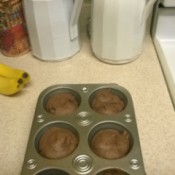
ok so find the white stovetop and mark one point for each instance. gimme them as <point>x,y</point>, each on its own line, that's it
<point>165,45</point>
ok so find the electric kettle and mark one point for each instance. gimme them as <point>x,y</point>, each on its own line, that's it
<point>53,28</point>
<point>118,29</point>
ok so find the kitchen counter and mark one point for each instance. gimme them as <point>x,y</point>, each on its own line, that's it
<point>143,78</point>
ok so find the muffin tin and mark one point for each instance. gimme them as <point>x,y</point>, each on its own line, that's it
<point>84,123</point>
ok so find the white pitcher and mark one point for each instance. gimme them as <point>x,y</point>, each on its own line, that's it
<point>53,27</point>
<point>118,29</point>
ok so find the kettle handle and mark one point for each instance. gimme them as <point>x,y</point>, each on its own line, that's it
<point>74,19</point>
<point>147,10</point>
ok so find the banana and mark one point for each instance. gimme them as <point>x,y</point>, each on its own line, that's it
<point>10,72</point>
<point>10,86</point>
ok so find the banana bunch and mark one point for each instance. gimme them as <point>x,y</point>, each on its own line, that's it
<point>12,80</point>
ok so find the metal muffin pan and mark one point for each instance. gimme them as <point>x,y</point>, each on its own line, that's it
<point>84,122</point>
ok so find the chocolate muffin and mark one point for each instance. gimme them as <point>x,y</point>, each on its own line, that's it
<point>57,143</point>
<point>62,104</point>
<point>110,144</point>
<point>106,102</point>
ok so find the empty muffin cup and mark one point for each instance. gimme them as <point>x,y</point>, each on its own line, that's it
<point>108,101</point>
<point>112,172</point>
<point>110,143</point>
<point>57,143</point>
<point>62,102</point>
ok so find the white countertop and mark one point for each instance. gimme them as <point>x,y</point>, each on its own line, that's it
<point>143,78</point>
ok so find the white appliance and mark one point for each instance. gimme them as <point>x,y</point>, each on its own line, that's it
<point>168,3</point>
<point>164,40</point>
<point>118,29</point>
<point>53,27</point>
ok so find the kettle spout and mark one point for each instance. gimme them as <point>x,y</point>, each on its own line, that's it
<point>147,10</point>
